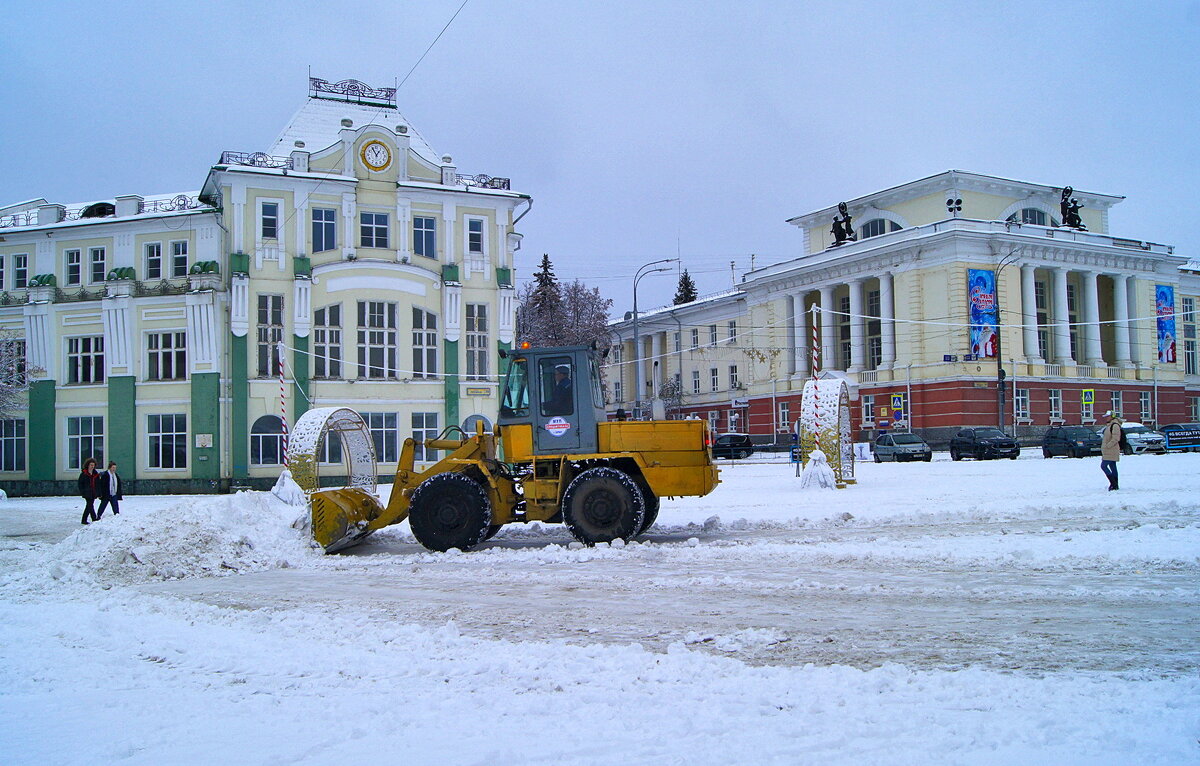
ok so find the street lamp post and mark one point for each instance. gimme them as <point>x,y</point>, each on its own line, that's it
<point>1007,260</point>
<point>637,341</point>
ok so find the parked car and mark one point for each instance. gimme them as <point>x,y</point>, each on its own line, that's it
<point>1184,437</point>
<point>1072,441</point>
<point>983,444</point>
<point>1140,438</point>
<point>733,446</point>
<point>901,447</point>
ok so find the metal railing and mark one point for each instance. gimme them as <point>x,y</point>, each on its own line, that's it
<point>485,181</point>
<point>256,160</point>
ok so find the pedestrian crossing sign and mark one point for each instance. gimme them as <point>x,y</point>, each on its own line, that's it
<point>1089,396</point>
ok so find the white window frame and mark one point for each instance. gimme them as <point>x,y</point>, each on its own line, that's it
<point>383,336</point>
<point>477,342</point>
<point>75,454</point>
<point>868,409</point>
<point>695,381</point>
<point>76,254</point>
<point>327,343</point>
<point>260,438</point>
<point>1117,404</point>
<point>174,355</point>
<point>1194,409</point>
<point>678,341</point>
<point>733,377</point>
<point>714,379</point>
<point>20,270</point>
<point>148,258</point>
<point>273,332</point>
<point>426,235</point>
<point>714,417</point>
<point>424,426</point>
<point>179,249</point>
<point>385,434</point>
<point>469,237</point>
<point>424,343</point>
<point>93,261</point>
<point>712,335</point>
<point>1087,411</point>
<point>1021,403</point>
<point>262,216</point>
<point>785,416</point>
<point>695,337</point>
<point>170,442</point>
<point>328,229</point>
<point>1,272</point>
<point>1055,403</point>
<point>375,226</point>
<point>733,332</point>
<point>14,457</point>
<point>1145,407</point>
<point>76,355</point>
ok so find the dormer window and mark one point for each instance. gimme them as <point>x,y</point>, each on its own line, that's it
<point>877,226</point>
<point>99,210</point>
<point>1032,215</point>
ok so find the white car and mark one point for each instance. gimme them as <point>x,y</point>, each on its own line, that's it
<point>1142,439</point>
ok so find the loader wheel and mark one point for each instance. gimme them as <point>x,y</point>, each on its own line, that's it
<point>450,510</point>
<point>492,530</point>
<point>650,504</point>
<point>602,504</point>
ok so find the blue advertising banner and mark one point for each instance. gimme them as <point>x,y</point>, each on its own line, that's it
<point>1164,309</point>
<point>984,313</point>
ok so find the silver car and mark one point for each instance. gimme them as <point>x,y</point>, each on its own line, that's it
<point>1142,439</point>
<point>899,447</point>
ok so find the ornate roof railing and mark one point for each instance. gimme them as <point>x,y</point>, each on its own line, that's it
<point>350,90</point>
<point>103,209</point>
<point>485,181</point>
<point>255,160</point>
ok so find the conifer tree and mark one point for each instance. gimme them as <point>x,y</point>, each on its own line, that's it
<point>686,292</point>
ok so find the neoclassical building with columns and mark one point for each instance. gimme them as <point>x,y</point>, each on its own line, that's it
<point>950,279</point>
<point>153,326</point>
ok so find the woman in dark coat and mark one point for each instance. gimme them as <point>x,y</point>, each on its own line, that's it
<point>89,489</point>
<point>110,490</point>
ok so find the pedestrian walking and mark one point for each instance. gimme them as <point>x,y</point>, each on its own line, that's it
<point>1110,449</point>
<point>110,490</point>
<point>89,489</point>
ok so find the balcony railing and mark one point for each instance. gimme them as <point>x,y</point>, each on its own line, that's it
<point>256,160</point>
<point>484,181</point>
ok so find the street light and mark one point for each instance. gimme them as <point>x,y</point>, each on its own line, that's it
<point>1012,257</point>
<point>637,341</point>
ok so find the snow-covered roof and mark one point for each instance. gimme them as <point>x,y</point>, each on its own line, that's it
<point>319,120</point>
<point>704,299</point>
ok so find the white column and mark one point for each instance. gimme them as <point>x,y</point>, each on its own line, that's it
<point>1062,333</point>
<point>858,347</point>
<point>1136,353</point>
<point>1121,315</point>
<point>1029,334</point>
<point>1091,300</point>
<point>887,324</point>
<point>828,325</point>
<point>657,363</point>
<point>801,333</point>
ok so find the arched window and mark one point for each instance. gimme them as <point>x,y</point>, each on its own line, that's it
<point>1032,215</point>
<point>99,210</point>
<point>877,226</point>
<point>266,441</point>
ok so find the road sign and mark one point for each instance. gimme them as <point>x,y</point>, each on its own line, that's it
<point>883,424</point>
<point>882,412</point>
<point>795,454</point>
<point>898,402</point>
<point>1088,396</point>
<point>950,358</point>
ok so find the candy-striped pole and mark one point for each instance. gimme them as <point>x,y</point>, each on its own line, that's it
<point>283,405</point>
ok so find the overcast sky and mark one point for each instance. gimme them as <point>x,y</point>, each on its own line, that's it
<point>641,129</point>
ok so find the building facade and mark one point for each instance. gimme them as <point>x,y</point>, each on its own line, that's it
<point>348,264</point>
<point>950,280</point>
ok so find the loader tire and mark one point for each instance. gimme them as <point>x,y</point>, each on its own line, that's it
<point>450,510</point>
<point>650,506</point>
<point>603,504</point>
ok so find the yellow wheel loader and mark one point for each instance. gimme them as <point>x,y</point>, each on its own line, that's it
<point>553,457</point>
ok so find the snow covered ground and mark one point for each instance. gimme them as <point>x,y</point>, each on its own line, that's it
<point>975,613</point>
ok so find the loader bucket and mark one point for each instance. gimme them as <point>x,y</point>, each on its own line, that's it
<point>342,517</point>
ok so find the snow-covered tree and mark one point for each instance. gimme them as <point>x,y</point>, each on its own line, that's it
<point>686,291</point>
<point>555,314</point>
<point>14,378</point>
<point>671,394</point>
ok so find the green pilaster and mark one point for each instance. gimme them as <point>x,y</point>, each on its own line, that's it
<point>41,428</point>
<point>206,419</point>
<point>120,437</point>
<point>300,388</point>
<point>240,393</point>
<point>451,385</point>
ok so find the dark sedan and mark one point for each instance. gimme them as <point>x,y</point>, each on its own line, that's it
<point>1072,441</point>
<point>983,444</point>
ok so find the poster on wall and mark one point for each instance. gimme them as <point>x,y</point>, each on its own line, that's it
<point>1164,308</point>
<point>984,313</point>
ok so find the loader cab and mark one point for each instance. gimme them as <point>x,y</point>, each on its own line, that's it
<point>557,393</point>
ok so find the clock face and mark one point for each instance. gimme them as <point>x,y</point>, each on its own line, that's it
<point>375,155</point>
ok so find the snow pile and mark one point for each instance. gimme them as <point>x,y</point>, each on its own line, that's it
<point>288,491</point>
<point>221,535</point>
<point>817,474</point>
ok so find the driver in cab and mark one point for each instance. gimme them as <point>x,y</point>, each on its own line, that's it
<point>562,400</point>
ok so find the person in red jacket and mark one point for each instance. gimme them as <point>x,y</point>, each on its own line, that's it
<point>89,489</point>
